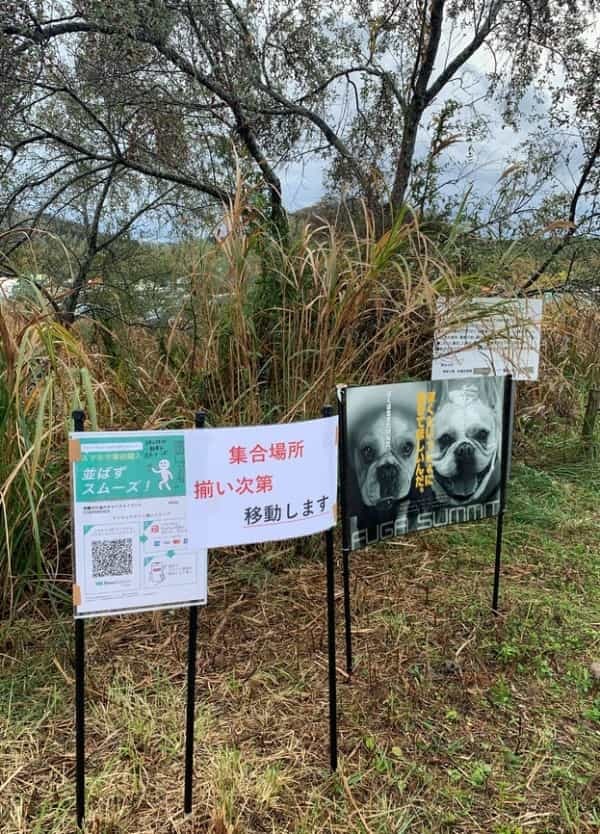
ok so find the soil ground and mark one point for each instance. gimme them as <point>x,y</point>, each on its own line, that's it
<point>453,721</point>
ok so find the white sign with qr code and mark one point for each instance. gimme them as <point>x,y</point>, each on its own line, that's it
<point>132,549</point>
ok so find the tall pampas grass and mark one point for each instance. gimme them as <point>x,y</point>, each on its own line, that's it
<point>265,329</point>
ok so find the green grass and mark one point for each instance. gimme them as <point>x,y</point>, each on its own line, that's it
<point>454,721</point>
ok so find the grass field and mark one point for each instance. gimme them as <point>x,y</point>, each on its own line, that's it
<point>454,721</point>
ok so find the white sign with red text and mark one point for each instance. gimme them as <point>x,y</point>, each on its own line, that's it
<point>261,483</point>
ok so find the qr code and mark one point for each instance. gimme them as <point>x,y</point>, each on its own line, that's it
<point>112,557</point>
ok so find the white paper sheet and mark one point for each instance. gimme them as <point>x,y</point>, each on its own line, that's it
<point>261,483</point>
<point>496,343</point>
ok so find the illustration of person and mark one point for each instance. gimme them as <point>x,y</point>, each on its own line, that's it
<point>165,474</point>
<point>156,573</point>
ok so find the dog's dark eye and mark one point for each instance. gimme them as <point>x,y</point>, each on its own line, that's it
<point>407,449</point>
<point>482,436</point>
<point>368,454</point>
<point>445,440</point>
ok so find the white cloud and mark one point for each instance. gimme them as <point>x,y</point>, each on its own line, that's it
<point>302,182</point>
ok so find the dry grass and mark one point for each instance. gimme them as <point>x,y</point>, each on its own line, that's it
<point>453,722</point>
<point>263,334</point>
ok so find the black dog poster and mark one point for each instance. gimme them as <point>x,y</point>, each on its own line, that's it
<point>418,455</point>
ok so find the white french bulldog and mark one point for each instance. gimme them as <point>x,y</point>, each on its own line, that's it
<point>466,454</point>
<point>383,455</point>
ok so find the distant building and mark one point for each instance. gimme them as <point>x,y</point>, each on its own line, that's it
<point>6,286</point>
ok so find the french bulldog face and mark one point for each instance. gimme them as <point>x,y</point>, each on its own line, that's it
<point>384,458</point>
<point>465,444</point>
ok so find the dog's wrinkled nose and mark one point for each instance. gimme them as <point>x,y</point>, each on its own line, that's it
<point>387,475</point>
<point>465,455</point>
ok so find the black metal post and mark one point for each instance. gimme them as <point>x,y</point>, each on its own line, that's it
<point>345,536</point>
<point>507,413</point>
<point>80,720</point>
<point>330,562</point>
<point>347,611</point>
<point>78,424</point>
<point>191,707</point>
<point>199,421</point>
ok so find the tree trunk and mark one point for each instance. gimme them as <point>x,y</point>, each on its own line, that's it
<point>278,214</point>
<point>590,418</point>
<point>405,156</point>
<point>67,315</point>
<point>10,352</point>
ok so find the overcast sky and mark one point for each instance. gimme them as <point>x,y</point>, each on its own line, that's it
<point>303,183</point>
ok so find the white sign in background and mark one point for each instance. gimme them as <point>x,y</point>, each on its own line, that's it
<point>261,483</point>
<point>501,336</point>
<point>132,549</point>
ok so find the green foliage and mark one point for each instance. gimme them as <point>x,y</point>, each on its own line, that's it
<point>40,384</point>
<point>490,747</point>
<point>253,328</point>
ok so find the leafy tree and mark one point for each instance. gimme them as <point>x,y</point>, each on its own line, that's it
<point>191,93</point>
